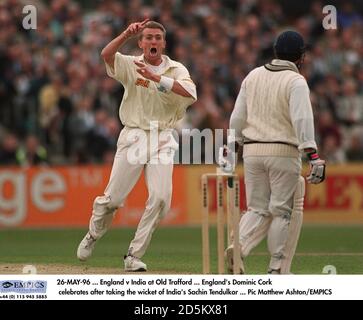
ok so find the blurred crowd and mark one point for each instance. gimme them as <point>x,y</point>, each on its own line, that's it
<point>57,105</point>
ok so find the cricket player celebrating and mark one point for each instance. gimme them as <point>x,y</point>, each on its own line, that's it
<point>157,92</point>
<point>273,120</point>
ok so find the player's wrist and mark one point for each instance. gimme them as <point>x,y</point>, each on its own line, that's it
<point>155,78</point>
<point>125,34</point>
<point>166,83</point>
<point>312,155</point>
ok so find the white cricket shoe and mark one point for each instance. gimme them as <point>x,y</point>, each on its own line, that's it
<point>86,247</point>
<point>273,271</point>
<point>229,259</point>
<point>134,264</point>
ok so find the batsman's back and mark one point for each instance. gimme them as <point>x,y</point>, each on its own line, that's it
<point>267,98</point>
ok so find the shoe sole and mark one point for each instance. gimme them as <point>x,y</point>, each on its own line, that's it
<point>135,270</point>
<point>229,259</point>
<point>82,260</point>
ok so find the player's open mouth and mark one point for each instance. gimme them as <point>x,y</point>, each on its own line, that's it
<point>153,52</point>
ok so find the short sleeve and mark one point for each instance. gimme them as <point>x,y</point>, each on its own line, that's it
<point>186,82</point>
<point>121,69</point>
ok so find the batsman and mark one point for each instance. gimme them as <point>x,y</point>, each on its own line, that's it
<point>273,120</point>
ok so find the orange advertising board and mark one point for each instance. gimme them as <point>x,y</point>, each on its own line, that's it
<point>338,200</point>
<point>63,196</point>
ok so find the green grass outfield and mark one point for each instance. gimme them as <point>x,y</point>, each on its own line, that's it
<point>178,249</point>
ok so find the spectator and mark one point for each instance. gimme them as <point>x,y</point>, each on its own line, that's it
<point>331,151</point>
<point>355,148</point>
<point>31,153</point>
<point>45,75</point>
<point>327,127</point>
<point>349,105</point>
<point>8,149</point>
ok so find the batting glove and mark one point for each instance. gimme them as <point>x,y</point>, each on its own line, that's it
<point>227,159</point>
<point>317,168</point>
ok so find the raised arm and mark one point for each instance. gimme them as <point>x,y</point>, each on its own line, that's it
<point>108,52</point>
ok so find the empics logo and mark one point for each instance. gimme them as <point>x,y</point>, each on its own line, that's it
<point>30,286</point>
<point>7,285</point>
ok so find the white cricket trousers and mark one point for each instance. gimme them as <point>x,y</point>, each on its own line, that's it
<point>270,183</point>
<point>134,153</point>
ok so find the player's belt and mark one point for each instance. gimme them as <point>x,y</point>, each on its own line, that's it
<point>270,142</point>
<point>270,148</point>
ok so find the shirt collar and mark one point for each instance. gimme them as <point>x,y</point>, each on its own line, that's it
<point>167,65</point>
<point>283,65</point>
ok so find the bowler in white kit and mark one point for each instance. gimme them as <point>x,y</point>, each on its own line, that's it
<point>158,91</point>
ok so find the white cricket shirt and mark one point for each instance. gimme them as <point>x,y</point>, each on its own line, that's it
<point>144,101</point>
<point>274,106</point>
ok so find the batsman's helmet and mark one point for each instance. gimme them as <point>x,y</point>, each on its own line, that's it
<point>289,45</point>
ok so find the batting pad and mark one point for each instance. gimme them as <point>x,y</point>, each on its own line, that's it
<point>296,221</point>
